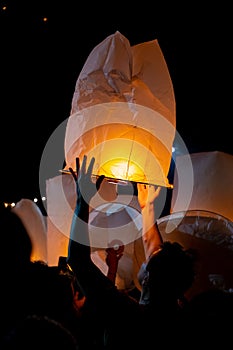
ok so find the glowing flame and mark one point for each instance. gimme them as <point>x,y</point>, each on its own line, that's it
<point>122,169</point>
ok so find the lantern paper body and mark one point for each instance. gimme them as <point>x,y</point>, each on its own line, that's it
<point>212,188</point>
<point>204,221</point>
<point>211,236</point>
<point>123,112</point>
<point>36,226</point>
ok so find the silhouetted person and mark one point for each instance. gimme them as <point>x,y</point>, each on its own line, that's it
<point>129,324</point>
<point>208,319</point>
<point>39,332</point>
<point>31,287</point>
<point>16,248</point>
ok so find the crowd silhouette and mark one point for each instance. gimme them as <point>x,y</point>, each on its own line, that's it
<point>75,306</point>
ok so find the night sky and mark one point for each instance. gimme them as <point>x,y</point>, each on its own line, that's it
<point>41,61</point>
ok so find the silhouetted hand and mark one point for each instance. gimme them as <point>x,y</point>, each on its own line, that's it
<point>85,187</point>
<point>114,255</point>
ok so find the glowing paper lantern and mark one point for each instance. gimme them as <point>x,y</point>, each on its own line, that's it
<point>211,236</point>
<point>123,113</point>
<point>212,187</point>
<point>36,226</point>
<point>203,223</point>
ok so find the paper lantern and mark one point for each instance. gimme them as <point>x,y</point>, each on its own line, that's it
<point>123,113</point>
<point>201,215</point>
<point>211,236</point>
<point>206,178</point>
<point>36,226</point>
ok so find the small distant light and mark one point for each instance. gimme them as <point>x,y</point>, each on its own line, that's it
<point>45,19</point>
<point>6,205</point>
<point>4,8</point>
<point>43,198</point>
<point>35,200</point>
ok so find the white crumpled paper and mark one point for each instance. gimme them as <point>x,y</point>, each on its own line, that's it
<point>123,107</point>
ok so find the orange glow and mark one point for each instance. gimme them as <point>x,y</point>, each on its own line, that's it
<point>122,169</point>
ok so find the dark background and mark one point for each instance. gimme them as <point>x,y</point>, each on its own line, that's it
<point>41,61</point>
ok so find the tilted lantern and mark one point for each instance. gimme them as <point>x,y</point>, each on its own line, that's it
<point>123,113</point>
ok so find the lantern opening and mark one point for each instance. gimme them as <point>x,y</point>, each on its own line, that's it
<point>122,169</point>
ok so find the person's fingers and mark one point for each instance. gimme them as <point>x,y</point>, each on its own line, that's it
<point>84,164</point>
<point>99,181</point>
<point>73,173</point>
<point>90,167</point>
<point>77,165</point>
<point>140,186</point>
<point>120,249</point>
<point>158,189</point>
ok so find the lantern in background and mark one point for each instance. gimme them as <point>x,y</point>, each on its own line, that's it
<point>210,187</point>
<point>36,225</point>
<point>123,113</point>
<point>201,216</point>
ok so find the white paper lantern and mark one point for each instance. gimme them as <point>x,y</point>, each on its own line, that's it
<point>123,113</point>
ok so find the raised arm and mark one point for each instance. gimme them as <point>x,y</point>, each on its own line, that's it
<point>151,236</point>
<point>103,297</point>
<point>113,255</point>
<point>79,251</point>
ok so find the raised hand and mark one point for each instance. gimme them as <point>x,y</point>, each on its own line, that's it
<point>147,194</point>
<point>113,255</point>
<point>85,187</point>
<point>151,236</point>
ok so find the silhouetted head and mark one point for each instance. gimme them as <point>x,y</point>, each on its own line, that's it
<point>168,274</point>
<point>15,242</point>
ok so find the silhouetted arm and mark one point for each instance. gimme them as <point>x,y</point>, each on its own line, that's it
<point>113,255</point>
<point>79,244</point>
<point>151,236</point>
<point>79,250</point>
